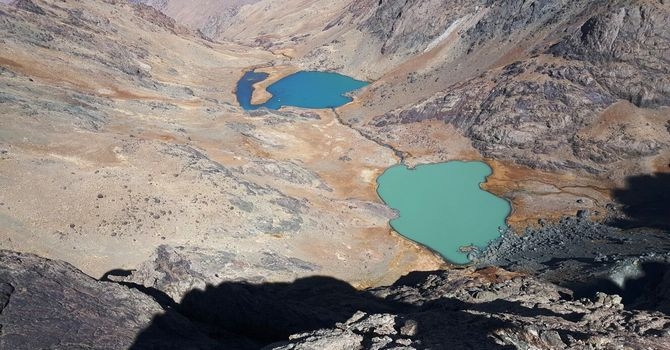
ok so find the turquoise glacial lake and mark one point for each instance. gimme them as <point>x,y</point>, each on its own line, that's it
<point>443,207</point>
<point>303,89</point>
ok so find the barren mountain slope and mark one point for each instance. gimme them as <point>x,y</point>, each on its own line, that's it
<point>566,99</point>
<point>124,153</point>
<point>119,135</point>
<point>572,88</point>
<point>208,16</point>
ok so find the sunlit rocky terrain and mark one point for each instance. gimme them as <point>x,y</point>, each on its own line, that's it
<point>141,207</point>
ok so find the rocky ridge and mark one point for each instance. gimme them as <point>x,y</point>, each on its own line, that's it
<point>50,304</point>
<point>488,308</point>
<point>549,109</point>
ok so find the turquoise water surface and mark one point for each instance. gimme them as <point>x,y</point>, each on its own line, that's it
<point>302,89</point>
<point>442,206</point>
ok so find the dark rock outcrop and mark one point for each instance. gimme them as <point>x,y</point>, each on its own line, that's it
<point>176,271</point>
<point>627,48</point>
<point>588,257</point>
<point>489,309</point>
<point>402,26</point>
<point>47,304</point>
<point>28,5</point>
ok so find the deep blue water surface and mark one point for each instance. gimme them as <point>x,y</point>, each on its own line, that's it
<point>302,89</point>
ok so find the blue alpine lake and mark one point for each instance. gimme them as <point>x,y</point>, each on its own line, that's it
<point>443,207</point>
<point>304,89</point>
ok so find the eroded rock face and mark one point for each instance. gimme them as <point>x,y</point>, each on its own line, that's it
<point>627,48</point>
<point>402,26</point>
<point>178,270</point>
<point>46,304</point>
<point>542,110</point>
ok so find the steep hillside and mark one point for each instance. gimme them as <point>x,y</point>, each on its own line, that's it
<point>570,88</point>
<point>208,17</point>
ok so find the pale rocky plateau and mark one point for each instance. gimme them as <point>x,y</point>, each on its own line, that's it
<point>142,208</point>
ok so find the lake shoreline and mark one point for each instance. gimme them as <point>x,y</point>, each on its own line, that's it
<point>259,93</point>
<point>301,89</point>
<point>444,207</point>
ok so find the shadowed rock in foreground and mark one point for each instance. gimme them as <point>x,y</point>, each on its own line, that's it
<point>50,304</point>
<point>47,304</point>
<point>646,201</point>
<point>489,309</point>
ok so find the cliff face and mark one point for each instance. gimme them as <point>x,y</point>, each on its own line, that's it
<point>403,28</point>
<point>50,304</point>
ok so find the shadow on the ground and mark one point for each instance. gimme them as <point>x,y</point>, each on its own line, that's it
<point>643,287</point>
<point>646,201</point>
<point>239,315</point>
<point>159,296</point>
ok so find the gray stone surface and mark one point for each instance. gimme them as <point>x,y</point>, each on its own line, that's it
<point>489,309</point>
<point>178,270</point>
<point>534,111</point>
<point>589,257</point>
<point>48,304</point>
